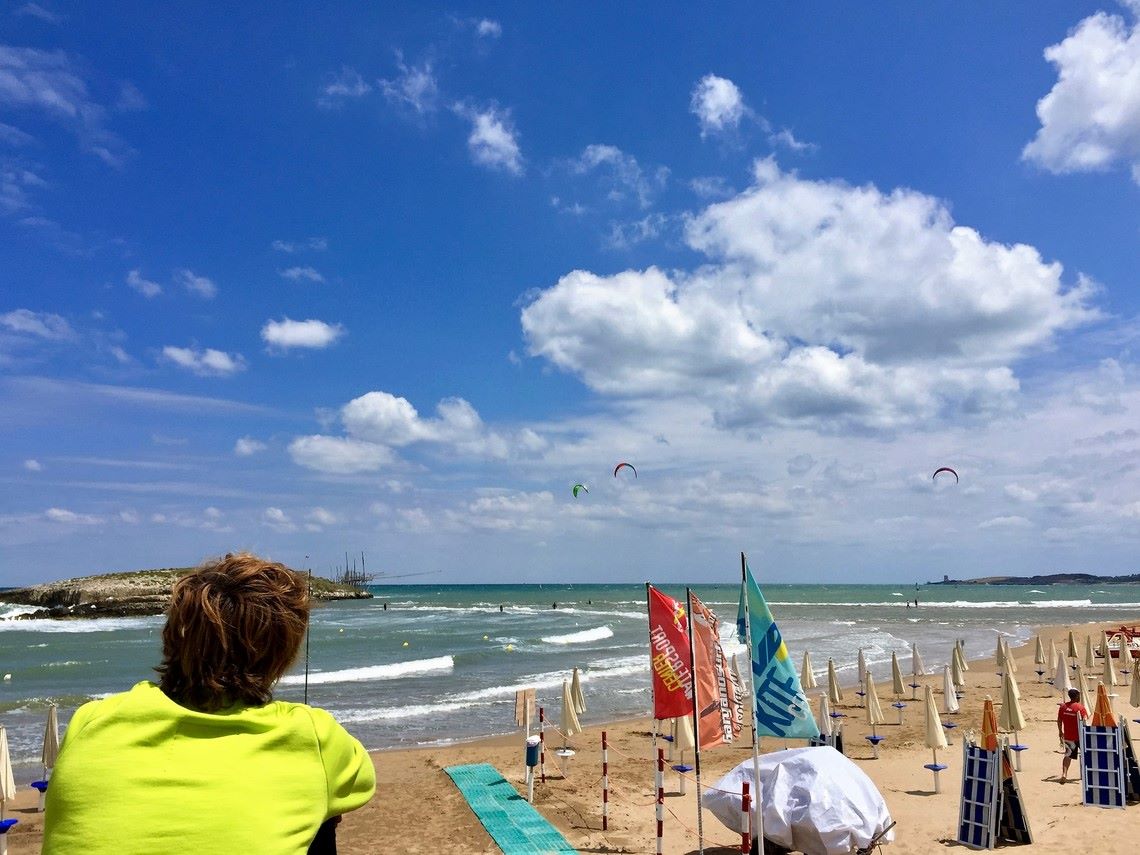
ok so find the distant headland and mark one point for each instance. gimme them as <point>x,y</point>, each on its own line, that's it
<point>1051,579</point>
<point>134,594</point>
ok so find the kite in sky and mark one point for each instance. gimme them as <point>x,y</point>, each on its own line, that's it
<point>944,469</point>
<point>580,488</point>
<point>620,465</point>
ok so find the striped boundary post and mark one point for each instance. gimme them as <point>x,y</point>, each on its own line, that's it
<point>660,801</point>
<point>746,814</point>
<point>542,744</point>
<point>605,783</point>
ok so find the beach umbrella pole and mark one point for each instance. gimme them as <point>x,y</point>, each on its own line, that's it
<point>935,768</point>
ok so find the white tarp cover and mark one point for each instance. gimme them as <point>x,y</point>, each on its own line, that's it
<point>816,801</point>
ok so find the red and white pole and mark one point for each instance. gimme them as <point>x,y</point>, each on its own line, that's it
<point>746,812</point>
<point>660,801</point>
<point>605,783</point>
<point>542,744</point>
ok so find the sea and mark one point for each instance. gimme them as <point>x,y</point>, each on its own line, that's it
<point>422,665</point>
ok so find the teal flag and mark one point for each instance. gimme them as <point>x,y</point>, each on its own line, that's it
<point>779,701</point>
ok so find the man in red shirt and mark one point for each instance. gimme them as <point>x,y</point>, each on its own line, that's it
<point>1067,717</point>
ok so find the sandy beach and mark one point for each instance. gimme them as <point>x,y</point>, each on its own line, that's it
<point>417,809</point>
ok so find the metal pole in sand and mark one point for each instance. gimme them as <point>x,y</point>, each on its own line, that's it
<point>605,783</point>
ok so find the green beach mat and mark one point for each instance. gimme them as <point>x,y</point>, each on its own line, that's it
<point>517,828</point>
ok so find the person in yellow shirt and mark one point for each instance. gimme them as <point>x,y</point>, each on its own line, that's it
<point>205,761</point>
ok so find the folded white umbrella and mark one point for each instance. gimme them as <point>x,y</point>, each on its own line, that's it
<point>576,693</point>
<point>999,655</point>
<point>1134,696</point>
<point>1061,681</point>
<point>807,678</point>
<point>1108,675</point>
<point>1011,717</point>
<point>683,733</point>
<point>949,695</point>
<point>957,669</point>
<point>862,662</point>
<point>569,723</point>
<point>897,686</point>
<point>834,693</point>
<point>7,781</point>
<point>916,666</point>
<point>1039,652</point>
<point>874,709</point>
<point>1081,684</point>
<point>51,740</point>
<point>961,648</point>
<point>1010,662</point>
<point>1103,643</point>
<point>1071,646</point>
<point>935,735</point>
<point>824,716</point>
<point>1090,657</point>
<point>1052,653</point>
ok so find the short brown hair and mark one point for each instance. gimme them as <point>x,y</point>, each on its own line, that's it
<point>233,628</point>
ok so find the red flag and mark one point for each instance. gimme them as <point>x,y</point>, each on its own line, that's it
<point>669,657</point>
<point>720,708</point>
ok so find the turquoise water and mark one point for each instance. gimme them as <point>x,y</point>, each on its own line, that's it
<point>442,663</point>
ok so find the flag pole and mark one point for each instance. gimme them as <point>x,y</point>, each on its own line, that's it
<point>696,722</point>
<point>759,790</point>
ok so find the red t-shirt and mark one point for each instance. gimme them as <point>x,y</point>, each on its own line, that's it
<point>1068,715</point>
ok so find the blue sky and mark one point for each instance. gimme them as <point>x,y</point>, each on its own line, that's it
<point>394,279</point>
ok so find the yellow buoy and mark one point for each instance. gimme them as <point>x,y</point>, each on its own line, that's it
<point>405,644</point>
<point>342,629</point>
<point>484,638</point>
<point>510,647</point>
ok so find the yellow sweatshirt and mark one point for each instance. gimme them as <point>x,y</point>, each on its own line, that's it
<point>139,774</point>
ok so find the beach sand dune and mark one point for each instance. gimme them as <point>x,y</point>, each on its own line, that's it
<point>418,810</point>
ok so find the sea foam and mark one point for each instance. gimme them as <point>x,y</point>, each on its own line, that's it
<point>391,671</point>
<point>586,635</point>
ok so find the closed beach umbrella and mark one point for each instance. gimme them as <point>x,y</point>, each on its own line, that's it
<point>999,655</point>
<point>916,666</point>
<point>961,648</point>
<point>7,781</point>
<point>1039,653</point>
<point>1102,715</point>
<point>874,710</point>
<point>1090,657</point>
<point>1061,680</point>
<point>1010,662</point>
<point>1134,695</point>
<point>570,726</point>
<point>1103,643</point>
<point>958,667</point>
<point>1108,675</point>
<point>897,686</point>
<point>949,695</point>
<point>51,740</point>
<point>683,734</point>
<point>862,663</point>
<point>576,693</point>
<point>834,693</point>
<point>1071,652</point>
<point>1052,652</point>
<point>824,716</point>
<point>989,726</point>
<point>1012,717</point>
<point>1081,684</point>
<point>935,736</point>
<point>807,678</point>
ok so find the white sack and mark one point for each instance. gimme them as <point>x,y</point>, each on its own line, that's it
<point>816,801</point>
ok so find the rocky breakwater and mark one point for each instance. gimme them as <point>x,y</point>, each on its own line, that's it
<point>134,594</point>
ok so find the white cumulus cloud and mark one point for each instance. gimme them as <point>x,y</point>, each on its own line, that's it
<point>247,446</point>
<point>1090,119</point>
<point>147,287</point>
<point>204,362</point>
<point>493,141</point>
<point>33,465</point>
<point>414,89</point>
<point>339,455</point>
<point>63,515</point>
<point>198,285</point>
<point>38,324</point>
<point>346,85</point>
<point>820,303</point>
<point>313,334</point>
<point>717,103</point>
<point>301,274</point>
